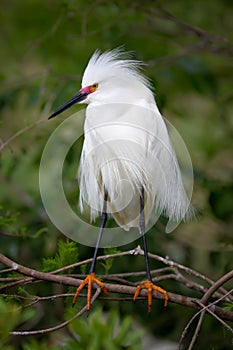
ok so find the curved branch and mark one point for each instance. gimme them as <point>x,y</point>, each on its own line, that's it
<point>61,325</point>
<point>215,286</point>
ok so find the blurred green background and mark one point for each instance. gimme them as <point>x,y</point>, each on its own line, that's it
<point>45,46</point>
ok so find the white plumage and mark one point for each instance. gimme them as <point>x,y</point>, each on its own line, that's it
<point>127,158</point>
<point>126,146</point>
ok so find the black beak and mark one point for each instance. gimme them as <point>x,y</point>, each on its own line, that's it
<point>79,97</point>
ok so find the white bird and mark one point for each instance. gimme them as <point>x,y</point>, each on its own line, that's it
<point>128,166</point>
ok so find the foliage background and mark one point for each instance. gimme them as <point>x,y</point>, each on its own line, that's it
<point>45,46</point>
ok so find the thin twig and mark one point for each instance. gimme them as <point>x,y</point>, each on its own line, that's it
<point>18,133</point>
<point>197,330</point>
<point>215,316</point>
<point>61,325</point>
<point>100,257</point>
<point>202,311</point>
<point>189,271</point>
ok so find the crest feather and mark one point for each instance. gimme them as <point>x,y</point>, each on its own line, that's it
<point>115,63</point>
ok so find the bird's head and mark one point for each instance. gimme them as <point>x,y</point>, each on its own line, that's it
<point>108,78</point>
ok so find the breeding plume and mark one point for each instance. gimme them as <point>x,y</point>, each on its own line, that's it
<point>128,166</point>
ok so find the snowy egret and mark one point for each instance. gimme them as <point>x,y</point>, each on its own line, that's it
<point>128,166</point>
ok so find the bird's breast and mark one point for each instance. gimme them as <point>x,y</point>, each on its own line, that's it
<point>116,158</point>
<point>110,122</point>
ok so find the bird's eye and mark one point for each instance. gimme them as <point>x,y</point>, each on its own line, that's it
<point>94,87</point>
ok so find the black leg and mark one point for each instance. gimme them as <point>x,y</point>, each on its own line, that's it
<point>91,278</point>
<point>143,233</point>
<point>102,225</point>
<point>149,285</point>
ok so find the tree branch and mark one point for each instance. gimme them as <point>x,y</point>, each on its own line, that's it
<point>111,287</point>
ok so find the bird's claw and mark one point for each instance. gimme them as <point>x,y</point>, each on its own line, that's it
<point>89,280</point>
<point>150,286</point>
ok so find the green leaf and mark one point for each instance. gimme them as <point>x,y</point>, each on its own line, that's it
<point>67,254</point>
<point>105,331</point>
<point>83,269</point>
<point>107,264</point>
<point>228,307</point>
<point>12,313</point>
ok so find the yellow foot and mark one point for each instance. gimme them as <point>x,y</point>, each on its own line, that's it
<point>89,280</point>
<point>150,287</point>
